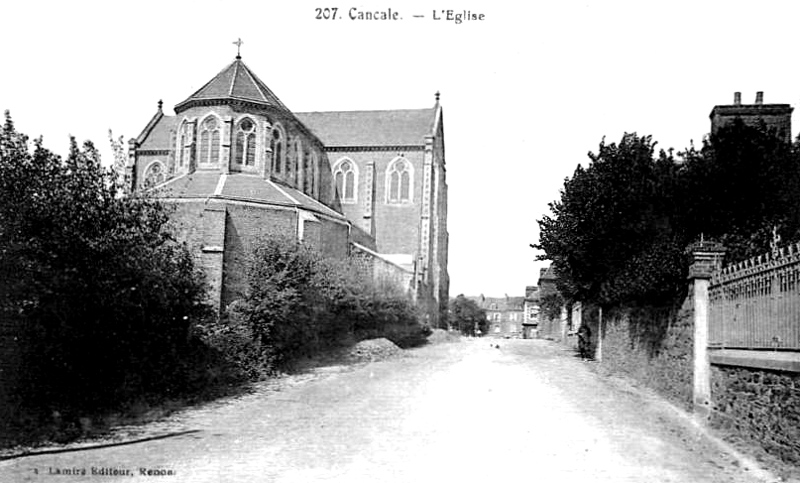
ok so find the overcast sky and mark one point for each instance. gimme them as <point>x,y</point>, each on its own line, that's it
<point>526,92</point>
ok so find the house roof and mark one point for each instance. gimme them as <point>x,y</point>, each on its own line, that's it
<point>502,303</point>
<point>235,82</point>
<point>403,127</point>
<point>240,187</point>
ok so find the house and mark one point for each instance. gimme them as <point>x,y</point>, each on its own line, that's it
<point>775,116</point>
<point>505,315</point>
<point>530,323</point>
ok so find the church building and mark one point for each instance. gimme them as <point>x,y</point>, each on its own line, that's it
<point>238,164</point>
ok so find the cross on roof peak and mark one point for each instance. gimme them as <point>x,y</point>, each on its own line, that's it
<point>238,43</point>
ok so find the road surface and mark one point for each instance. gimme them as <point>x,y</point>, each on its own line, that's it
<point>528,411</point>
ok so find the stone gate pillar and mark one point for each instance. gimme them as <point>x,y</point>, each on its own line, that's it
<point>706,259</point>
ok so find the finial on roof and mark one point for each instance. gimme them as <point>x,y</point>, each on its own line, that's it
<point>238,43</point>
<point>160,104</point>
<point>437,96</point>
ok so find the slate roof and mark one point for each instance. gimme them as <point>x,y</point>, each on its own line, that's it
<point>156,135</point>
<point>402,127</point>
<point>241,187</point>
<point>502,304</point>
<point>234,82</point>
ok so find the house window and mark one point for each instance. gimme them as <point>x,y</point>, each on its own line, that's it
<point>497,316</point>
<point>308,173</point>
<point>399,181</point>
<point>276,145</point>
<point>245,153</point>
<point>346,180</point>
<point>209,141</point>
<point>154,174</point>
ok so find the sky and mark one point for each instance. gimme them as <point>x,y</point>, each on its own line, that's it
<point>526,92</point>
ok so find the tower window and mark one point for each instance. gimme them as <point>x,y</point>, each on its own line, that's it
<point>245,143</point>
<point>276,146</point>
<point>209,141</point>
<point>183,137</point>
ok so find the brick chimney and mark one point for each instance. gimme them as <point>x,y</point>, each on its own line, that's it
<point>759,97</point>
<point>737,98</point>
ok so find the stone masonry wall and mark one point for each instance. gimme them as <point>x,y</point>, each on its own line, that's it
<point>10,365</point>
<point>761,406</point>
<point>652,345</point>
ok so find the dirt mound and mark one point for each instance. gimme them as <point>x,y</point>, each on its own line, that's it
<point>374,350</point>
<point>440,335</point>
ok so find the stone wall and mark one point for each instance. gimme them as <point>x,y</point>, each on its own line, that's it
<point>759,405</point>
<point>653,345</point>
<point>10,366</point>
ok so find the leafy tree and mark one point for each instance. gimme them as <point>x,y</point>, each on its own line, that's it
<point>743,182</point>
<point>467,316</point>
<point>619,231</point>
<point>102,295</point>
<point>611,214</point>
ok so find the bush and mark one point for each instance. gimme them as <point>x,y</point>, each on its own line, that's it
<point>102,294</point>
<point>298,303</point>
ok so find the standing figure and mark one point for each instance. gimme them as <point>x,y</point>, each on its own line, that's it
<point>584,341</point>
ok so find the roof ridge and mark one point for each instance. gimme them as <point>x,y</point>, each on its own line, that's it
<point>368,110</point>
<point>206,84</point>
<point>233,77</point>
<point>252,79</point>
<point>259,83</point>
<point>149,127</point>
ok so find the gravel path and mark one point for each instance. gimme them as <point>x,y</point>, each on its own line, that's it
<point>468,411</point>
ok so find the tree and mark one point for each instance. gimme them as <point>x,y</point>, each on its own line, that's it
<point>467,316</point>
<point>743,182</point>
<point>102,294</point>
<point>619,231</point>
<point>610,217</point>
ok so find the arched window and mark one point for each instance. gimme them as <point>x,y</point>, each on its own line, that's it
<point>399,181</point>
<point>308,173</point>
<point>314,174</point>
<point>183,137</point>
<point>291,162</point>
<point>276,145</point>
<point>209,141</point>
<point>346,177</point>
<point>245,153</point>
<point>154,174</point>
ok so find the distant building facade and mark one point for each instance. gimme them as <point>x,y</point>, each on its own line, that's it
<point>530,324</point>
<point>774,116</point>
<point>505,315</point>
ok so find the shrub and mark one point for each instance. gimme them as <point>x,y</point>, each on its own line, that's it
<point>102,294</point>
<point>298,303</point>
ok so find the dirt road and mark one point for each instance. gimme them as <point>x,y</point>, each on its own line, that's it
<point>528,411</point>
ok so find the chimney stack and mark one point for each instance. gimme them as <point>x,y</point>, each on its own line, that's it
<point>737,98</point>
<point>759,97</point>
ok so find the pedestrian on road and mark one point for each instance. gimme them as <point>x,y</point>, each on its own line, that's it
<point>584,341</point>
